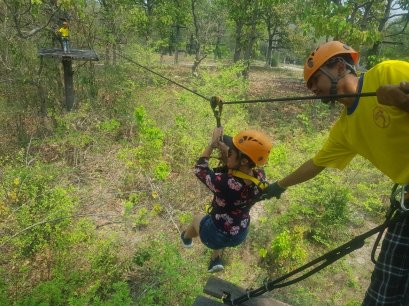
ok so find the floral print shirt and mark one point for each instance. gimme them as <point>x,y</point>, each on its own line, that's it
<point>232,197</point>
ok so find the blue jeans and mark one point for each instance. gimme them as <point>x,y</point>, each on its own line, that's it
<point>216,239</point>
<point>65,44</point>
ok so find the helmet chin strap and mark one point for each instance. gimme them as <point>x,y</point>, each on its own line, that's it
<point>334,81</point>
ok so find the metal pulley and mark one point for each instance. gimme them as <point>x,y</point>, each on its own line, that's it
<point>217,106</point>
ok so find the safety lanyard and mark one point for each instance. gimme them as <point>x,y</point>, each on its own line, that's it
<point>397,211</point>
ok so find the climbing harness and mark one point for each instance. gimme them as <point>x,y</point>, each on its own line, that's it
<point>259,183</point>
<point>397,211</point>
<point>397,205</point>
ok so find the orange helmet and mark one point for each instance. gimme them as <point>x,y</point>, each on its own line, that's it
<point>323,53</point>
<point>254,144</point>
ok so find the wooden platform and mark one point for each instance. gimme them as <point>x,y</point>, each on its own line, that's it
<point>217,287</point>
<point>74,54</point>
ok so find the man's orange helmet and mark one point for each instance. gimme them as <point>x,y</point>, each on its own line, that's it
<point>254,144</point>
<point>323,53</point>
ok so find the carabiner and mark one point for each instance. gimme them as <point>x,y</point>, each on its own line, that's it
<point>402,198</point>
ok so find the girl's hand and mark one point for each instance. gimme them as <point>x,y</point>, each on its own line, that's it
<point>217,135</point>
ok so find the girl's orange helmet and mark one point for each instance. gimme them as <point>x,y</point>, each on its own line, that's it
<point>254,144</point>
<point>323,53</point>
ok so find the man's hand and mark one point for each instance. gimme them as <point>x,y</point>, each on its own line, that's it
<point>394,95</point>
<point>273,190</point>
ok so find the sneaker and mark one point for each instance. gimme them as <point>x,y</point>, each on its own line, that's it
<point>187,242</point>
<point>215,265</point>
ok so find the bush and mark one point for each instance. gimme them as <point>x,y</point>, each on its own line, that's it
<point>171,279</point>
<point>287,250</point>
<point>51,252</point>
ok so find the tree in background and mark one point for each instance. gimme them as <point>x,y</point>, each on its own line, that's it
<point>277,16</point>
<point>357,22</point>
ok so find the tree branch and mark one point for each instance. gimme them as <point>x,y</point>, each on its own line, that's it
<point>34,31</point>
<point>401,31</point>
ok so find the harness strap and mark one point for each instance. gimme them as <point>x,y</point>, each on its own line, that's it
<point>396,211</point>
<point>260,184</point>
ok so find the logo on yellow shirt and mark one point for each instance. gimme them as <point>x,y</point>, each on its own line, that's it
<point>381,117</point>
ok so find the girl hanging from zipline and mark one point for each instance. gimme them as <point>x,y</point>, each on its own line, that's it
<point>236,187</point>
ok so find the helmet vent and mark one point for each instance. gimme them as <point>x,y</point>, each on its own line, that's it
<point>249,138</point>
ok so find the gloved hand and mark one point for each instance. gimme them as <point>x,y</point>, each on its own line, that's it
<point>273,190</point>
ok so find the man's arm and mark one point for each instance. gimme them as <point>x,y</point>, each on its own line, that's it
<point>305,172</point>
<point>394,95</point>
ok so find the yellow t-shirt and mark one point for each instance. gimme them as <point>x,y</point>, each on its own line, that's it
<point>65,32</point>
<point>377,132</point>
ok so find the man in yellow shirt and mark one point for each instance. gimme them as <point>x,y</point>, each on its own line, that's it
<point>64,33</point>
<point>376,128</point>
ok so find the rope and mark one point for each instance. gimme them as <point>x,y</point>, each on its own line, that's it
<point>395,214</point>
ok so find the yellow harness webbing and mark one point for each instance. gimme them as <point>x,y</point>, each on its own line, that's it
<point>237,173</point>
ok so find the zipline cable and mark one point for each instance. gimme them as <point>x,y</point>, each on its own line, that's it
<point>284,99</point>
<point>166,78</point>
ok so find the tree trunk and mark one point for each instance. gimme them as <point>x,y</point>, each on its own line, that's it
<point>271,34</point>
<point>196,40</point>
<point>177,39</point>
<point>68,84</point>
<point>238,46</point>
<point>249,48</point>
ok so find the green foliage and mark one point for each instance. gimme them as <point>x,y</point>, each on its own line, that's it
<point>287,250</point>
<point>323,204</point>
<point>353,303</point>
<point>162,170</point>
<point>141,217</point>
<point>120,295</point>
<point>28,191</point>
<point>369,199</point>
<point>185,217</point>
<point>274,62</point>
<point>171,280</point>
<point>111,126</point>
<point>157,209</point>
<point>45,232</point>
<point>147,156</point>
<point>374,59</point>
<point>150,138</point>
